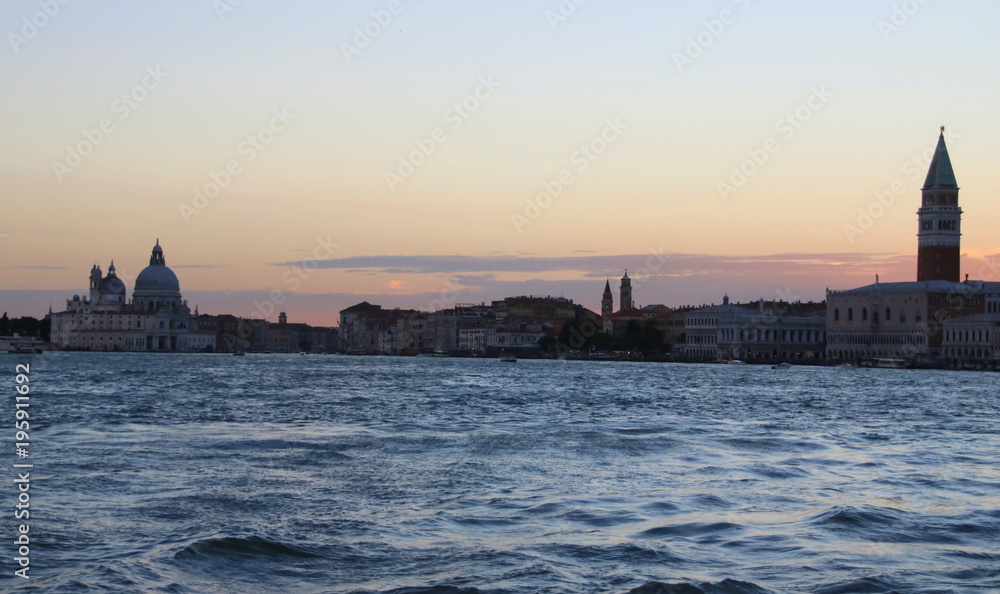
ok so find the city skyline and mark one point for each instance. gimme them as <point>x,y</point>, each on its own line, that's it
<point>771,151</point>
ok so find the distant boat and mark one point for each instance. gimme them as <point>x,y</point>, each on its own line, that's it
<point>889,363</point>
<point>737,362</point>
<point>782,365</point>
<point>507,358</point>
<point>239,354</point>
<point>26,347</point>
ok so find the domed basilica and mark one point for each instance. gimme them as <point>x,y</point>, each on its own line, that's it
<point>157,318</point>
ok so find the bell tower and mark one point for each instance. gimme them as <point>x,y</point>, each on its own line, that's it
<point>626,292</point>
<point>608,301</point>
<point>940,219</point>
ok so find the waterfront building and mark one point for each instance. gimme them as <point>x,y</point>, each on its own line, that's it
<point>769,338</point>
<point>972,342</point>
<point>535,308</point>
<point>907,320</point>
<point>703,340</point>
<point>156,319</point>
<point>769,331</point>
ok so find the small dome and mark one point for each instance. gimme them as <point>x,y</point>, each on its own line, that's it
<point>113,285</point>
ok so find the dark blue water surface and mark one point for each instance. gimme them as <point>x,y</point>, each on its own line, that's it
<point>281,473</point>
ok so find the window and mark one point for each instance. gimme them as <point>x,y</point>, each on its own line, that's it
<point>836,315</point>
<point>864,314</point>
<point>850,314</point>
<point>888,314</point>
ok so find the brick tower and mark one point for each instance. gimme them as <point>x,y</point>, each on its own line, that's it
<point>940,217</point>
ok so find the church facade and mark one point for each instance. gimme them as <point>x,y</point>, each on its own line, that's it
<point>157,319</point>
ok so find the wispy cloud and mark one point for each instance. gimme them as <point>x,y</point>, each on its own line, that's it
<point>594,266</point>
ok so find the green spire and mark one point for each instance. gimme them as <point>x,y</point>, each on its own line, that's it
<point>940,174</point>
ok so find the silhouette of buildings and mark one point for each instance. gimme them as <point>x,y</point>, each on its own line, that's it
<point>156,319</point>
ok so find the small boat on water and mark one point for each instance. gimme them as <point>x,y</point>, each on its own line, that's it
<point>737,362</point>
<point>782,365</point>
<point>239,354</point>
<point>885,363</point>
<point>508,358</point>
<point>26,347</point>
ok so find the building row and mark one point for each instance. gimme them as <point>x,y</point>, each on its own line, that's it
<point>937,320</point>
<point>512,324</point>
<point>158,319</point>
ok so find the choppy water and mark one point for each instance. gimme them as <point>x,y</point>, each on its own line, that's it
<point>270,473</point>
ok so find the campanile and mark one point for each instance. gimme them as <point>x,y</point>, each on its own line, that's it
<point>940,219</point>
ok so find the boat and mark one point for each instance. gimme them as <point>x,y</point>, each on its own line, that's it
<point>884,363</point>
<point>507,358</point>
<point>25,347</point>
<point>782,365</point>
<point>239,354</point>
<point>889,363</point>
<point>737,362</point>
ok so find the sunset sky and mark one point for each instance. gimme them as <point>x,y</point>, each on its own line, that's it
<point>397,151</point>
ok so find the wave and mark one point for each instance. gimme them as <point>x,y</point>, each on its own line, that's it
<point>242,548</point>
<point>727,586</point>
<point>689,530</point>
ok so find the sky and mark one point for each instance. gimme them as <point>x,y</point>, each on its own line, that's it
<point>305,156</point>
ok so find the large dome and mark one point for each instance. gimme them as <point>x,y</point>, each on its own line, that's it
<point>157,277</point>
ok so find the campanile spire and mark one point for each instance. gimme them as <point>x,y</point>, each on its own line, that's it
<point>940,220</point>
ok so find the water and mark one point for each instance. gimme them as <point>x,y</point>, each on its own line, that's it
<point>272,473</point>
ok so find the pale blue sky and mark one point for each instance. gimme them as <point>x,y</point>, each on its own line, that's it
<point>657,185</point>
